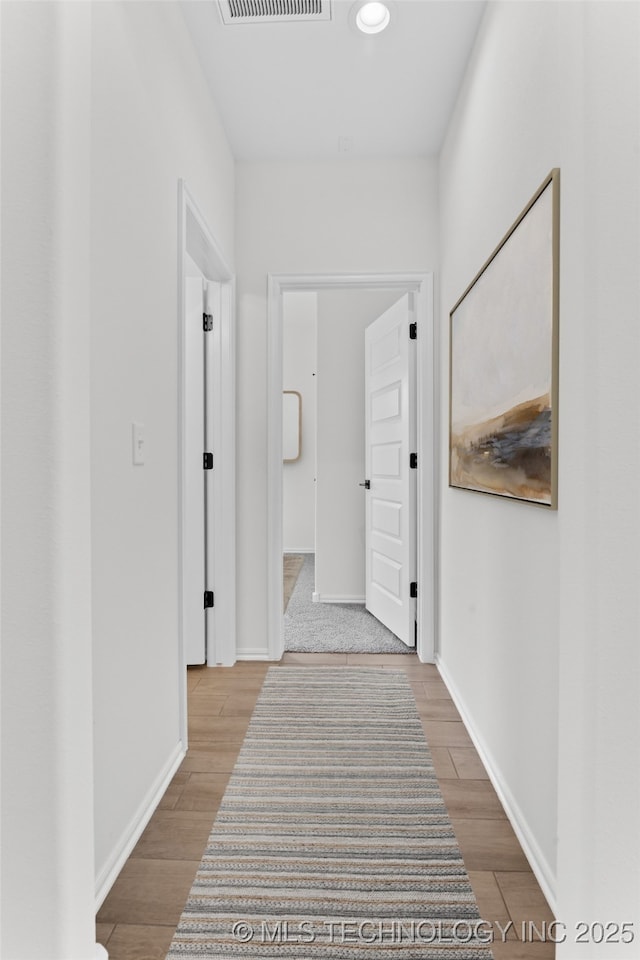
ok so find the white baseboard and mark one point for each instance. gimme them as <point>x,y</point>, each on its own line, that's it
<point>130,836</point>
<point>538,862</point>
<point>255,653</point>
<point>299,550</point>
<point>337,598</point>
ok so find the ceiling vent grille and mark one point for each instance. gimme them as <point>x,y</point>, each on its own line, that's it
<point>273,11</point>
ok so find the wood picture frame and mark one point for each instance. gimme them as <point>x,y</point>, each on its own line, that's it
<point>503,362</point>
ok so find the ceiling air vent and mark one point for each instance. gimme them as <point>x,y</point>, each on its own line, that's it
<point>273,11</point>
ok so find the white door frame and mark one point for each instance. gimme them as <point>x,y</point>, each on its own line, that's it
<point>196,240</point>
<point>421,285</point>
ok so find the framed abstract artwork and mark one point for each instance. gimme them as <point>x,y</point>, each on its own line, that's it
<point>503,405</point>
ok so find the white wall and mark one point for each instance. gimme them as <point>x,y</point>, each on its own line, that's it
<point>539,610</point>
<point>152,123</point>
<point>103,110</point>
<point>299,364</point>
<point>46,815</point>
<point>343,316</point>
<point>315,217</point>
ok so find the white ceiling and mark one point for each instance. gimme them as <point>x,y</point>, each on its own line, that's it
<point>309,90</point>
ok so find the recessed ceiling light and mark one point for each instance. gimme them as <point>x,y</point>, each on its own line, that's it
<point>373,17</point>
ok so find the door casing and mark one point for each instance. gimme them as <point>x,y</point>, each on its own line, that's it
<point>194,519</point>
<point>196,240</point>
<point>420,286</point>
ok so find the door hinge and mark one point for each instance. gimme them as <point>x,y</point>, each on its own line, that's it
<point>208,598</point>
<point>207,322</point>
<point>413,331</point>
<point>207,461</point>
<point>413,589</point>
<point>413,461</point>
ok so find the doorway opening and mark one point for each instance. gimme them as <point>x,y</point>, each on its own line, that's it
<point>355,536</point>
<point>419,289</point>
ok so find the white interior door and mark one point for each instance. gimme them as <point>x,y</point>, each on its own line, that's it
<point>212,499</point>
<point>194,499</point>
<point>390,432</point>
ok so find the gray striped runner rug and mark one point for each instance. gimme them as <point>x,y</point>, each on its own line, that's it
<point>332,839</point>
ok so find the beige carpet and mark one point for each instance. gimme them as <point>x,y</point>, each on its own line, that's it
<point>332,627</point>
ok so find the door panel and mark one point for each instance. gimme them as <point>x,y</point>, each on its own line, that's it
<point>385,404</point>
<point>391,499</point>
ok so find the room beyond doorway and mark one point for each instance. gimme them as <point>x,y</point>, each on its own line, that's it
<point>420,289</point>
<point>329,627</point>
<point>325,454</point>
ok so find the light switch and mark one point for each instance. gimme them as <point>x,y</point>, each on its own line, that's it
<point>138,437</point>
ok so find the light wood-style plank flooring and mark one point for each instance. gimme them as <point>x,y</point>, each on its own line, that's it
<point>291,567</point>
<point>138,918</point>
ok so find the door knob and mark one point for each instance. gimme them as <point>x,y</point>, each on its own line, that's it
<point>366,484</point>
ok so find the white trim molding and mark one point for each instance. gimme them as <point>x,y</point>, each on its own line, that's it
<point>543,871</point>
<point>134,830</point>
<point>252,653</point>
<point>337,598</point>
<point>420,285</point>
<point>196,240</point>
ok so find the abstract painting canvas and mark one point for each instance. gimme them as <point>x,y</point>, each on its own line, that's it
<point>504,363</point>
